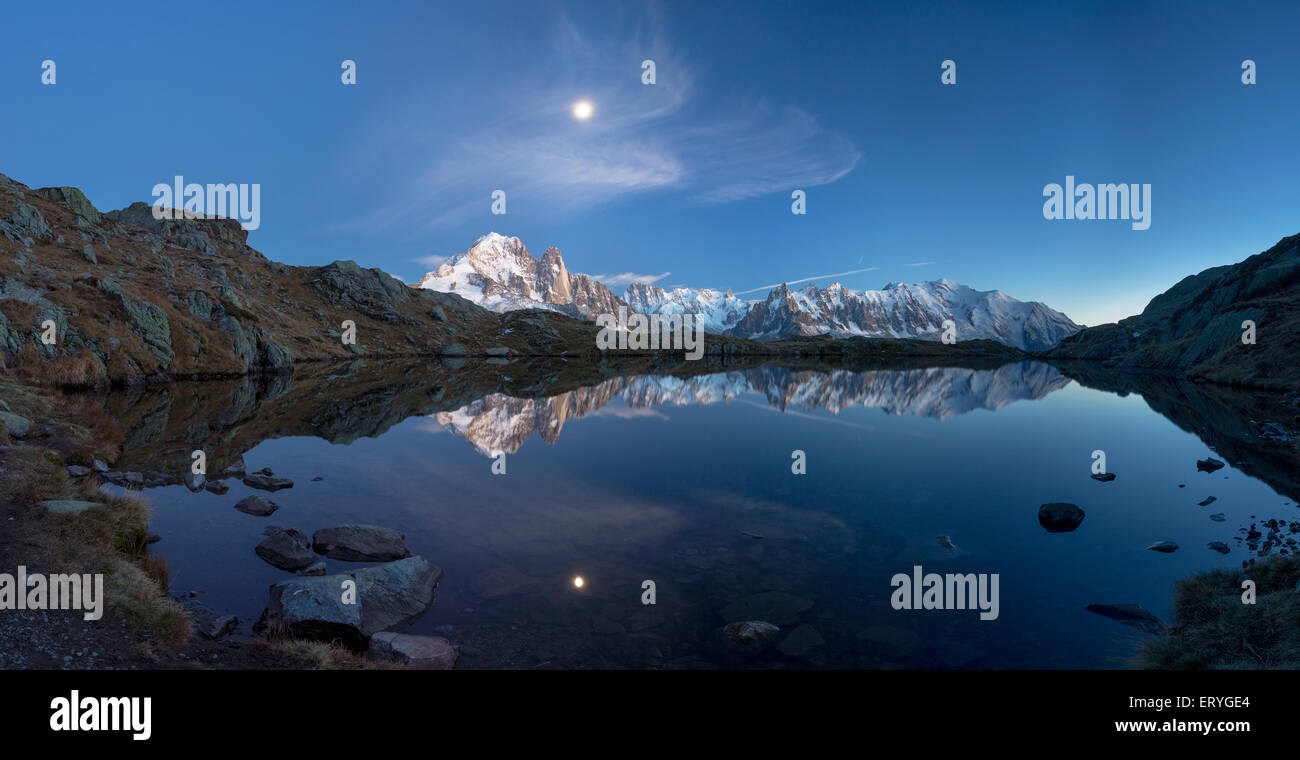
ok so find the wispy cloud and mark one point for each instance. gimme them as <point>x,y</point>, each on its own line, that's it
<point>922,264</point>
<point>807,279</point>
<point>627,278</point>
<point>523,139</point>
<point>432,261</point>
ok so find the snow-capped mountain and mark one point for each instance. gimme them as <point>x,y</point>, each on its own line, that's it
<point>499,273</point>
<point>906,311</point>
<point>719,312</point>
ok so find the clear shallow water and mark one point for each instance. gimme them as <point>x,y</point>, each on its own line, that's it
<point>661,479</point>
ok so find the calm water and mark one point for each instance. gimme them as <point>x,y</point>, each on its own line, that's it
<point>661,478</point>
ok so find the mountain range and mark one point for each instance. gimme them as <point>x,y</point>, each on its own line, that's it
<point>497,272</point>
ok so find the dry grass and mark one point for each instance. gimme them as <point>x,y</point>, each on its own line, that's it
<point>322,655</point>
<point>59,372</point>
<point>1214,629</point>
<point>108,539</point>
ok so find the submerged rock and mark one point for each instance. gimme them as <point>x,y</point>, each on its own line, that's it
<point>259,506</point>
<point>1208,465</point>
<point>774,606</point>
<point>1104,477</point>
<point>750,633</point>
<point>1060,517</point>
<point>194,481</point>
<point>1218,517</point>
<point>360,543</point>
<point>386,596</point>
<point>217,487</point>
<point>431,652</point>
<point>1218,546</point>
<point>804,641</point>
<point>1166,547</point>
<point>1129,614</point>
<point>1207,502</point>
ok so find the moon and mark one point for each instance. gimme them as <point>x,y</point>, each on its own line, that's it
<point>583,109</point>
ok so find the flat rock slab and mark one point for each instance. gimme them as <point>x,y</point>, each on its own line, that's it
<point>266,482</point>
<point>430,652</point>
<point>286,549</point>
<point>68,506</point>
<point>259,506</point>
<point>775,607</point>
<point>360,543</point>
<point>387,596</point>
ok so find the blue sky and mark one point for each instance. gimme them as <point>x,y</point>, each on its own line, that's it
<point>688,181</point>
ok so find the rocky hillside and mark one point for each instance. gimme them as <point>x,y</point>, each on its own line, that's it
<point>132,298</point>
<point>1194,329</point>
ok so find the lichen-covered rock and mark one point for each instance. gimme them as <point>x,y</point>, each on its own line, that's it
<point>321,607</point>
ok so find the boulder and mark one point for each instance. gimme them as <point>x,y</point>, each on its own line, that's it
<point>266,482</point>
<point>387,596</point>
<point>217,487</point>
<point>1208,465</point>
<point>1060,517</point>
<point>259,506</point>
<point>360,543</point>
<point>195,482</point>
<point>286,549</point>
<point>431,652</point>
<point>18,425</point>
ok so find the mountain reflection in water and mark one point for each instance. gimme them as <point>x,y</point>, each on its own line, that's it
<point>708,508</point>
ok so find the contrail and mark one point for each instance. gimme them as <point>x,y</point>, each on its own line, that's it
<point>806,279</point>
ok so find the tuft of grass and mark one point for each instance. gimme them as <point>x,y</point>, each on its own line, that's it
<point>78,371</point>
<point>323,655</point>
<point>1214,629</point>
<point>131,591</point>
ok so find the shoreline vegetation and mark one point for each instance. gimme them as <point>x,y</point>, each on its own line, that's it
<point>134,301</point>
